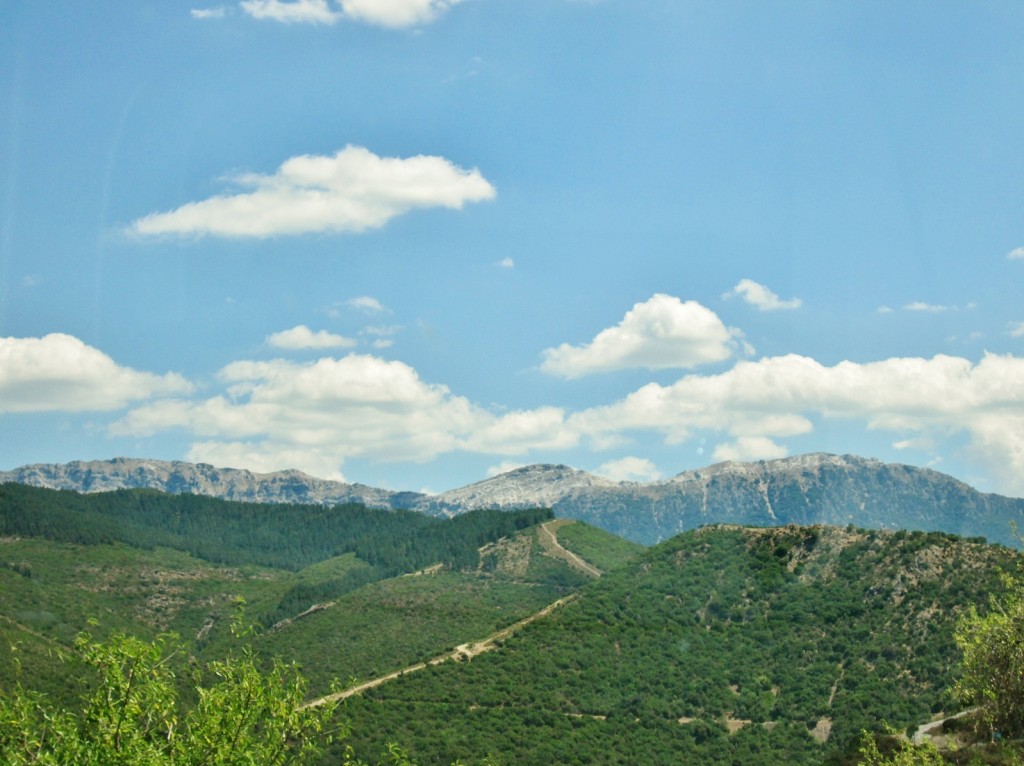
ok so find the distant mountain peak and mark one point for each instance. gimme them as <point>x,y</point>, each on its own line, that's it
<point>816,488</point>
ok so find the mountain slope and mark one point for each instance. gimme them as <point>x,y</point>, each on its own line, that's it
<point>807,489</point>
<point>177,477</point>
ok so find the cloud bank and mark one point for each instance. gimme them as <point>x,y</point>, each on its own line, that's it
<point>352,191</point>
<point>777,397</point>
<point>268,415</point>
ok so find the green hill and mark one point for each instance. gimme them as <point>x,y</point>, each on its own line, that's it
<point>722,645</point>
<point>326,584</point>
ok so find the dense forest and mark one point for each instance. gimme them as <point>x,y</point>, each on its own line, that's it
<point>723,645</point>
<point>387,543</point>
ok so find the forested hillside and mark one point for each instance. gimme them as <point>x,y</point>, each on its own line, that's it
<point>723,645</point>
<point>324,585</point>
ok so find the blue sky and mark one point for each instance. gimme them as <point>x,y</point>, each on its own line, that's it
<point>412,243</point>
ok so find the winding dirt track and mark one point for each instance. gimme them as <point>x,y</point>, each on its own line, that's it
<point>550,543</point>
<point>461,652</point>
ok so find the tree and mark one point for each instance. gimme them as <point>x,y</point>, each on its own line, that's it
<point>992,669</point>
<point>904,754</point>
<point>135,716</point>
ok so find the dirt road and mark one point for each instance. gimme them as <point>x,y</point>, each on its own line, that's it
<point>549,541</point>
<point>461,652</point>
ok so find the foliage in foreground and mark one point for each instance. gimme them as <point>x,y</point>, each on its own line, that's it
<point>904,754</point>
<point>136,715</point>
<point>992,671</point>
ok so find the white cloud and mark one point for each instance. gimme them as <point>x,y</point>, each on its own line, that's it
<point>351,191</point>
<point>366,303</point>
<point>776,397</point>
<point>297,11</point>
<point>384,13</point>
<point>60,372</point>
<point>302,337</point>
<point>1015,255</point>
<point>885,310</point>
<point>1016,329</point>
<point>396,13</point>
<point>518,432</point>
<point>761,297</point>
<point>507,263</point>
<point>661,333</point>
<point>629,469</point>
<point>749,448</point>
<point>208,13</point>
<point>927,307</point>
<point>353,406</point>
<point>264,457</point>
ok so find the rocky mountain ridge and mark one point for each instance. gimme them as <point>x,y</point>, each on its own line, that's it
<point>179,477</point>
<point>817,488</point>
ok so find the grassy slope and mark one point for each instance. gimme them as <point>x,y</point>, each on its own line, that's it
<point>602,549</point>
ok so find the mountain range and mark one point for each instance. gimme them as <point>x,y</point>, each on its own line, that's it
<point>817,488</point>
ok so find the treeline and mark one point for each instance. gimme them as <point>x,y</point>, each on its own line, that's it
<point>281,536</point>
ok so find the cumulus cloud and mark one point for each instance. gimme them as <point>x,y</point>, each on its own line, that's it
<point>1016,329</point>
<point>384,13</point>
<point>302,337</point>
<point>761,297</point>
<point>60,372</point>
<point>352,191</point>
<point>518,432</point>
<point>662,332</point>
<point>1015,255</point>
<point>507,263</point>
<point>396,13</point>
<point>629,469</point>
<point>296,11</point>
